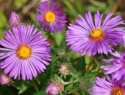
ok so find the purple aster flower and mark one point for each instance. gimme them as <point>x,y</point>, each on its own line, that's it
<point>14,20</point>
<point>25,52</point>
<point>88,36</point>
<point>54,88</point>
<point>117,66</point>
<point>51,16</point>
<point>107,87</point>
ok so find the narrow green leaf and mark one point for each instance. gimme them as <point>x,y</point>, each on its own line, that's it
<point>70,7</point>
<point>69,87</point>
<point>89,76</point>
<point>19,3</point>
<point>3,20</point>
<point>42,92</point>
<point>59,37</point>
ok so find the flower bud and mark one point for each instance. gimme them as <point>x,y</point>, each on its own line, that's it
<point>61,53</point>
<point>84,84</point>
<point>64,69</point>
<point>4,79</point>
<point>14,20</point>
<point>54,88</point>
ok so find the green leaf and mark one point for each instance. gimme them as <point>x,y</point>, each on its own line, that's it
<point>80,8</point>
<point>98,4</point>
<point>92,8</point>
<point>59,37</point>
<point>1,33</point>
<point>81,66</point>
<point>42,92</point>
<point>3,20</point>
<point>89,76</point>
<point>19,3</point>
<point>22,88</point>
<point>69,87</point>
<point>87,59</point>
<point>83,92</point>
<point>95,69</point>
<point>21,85</point>
<point>70,7</point>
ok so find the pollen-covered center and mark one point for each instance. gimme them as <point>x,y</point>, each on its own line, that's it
<point>117,91</point>
<point>96,34</point>
<point>50,17</point>
<point>23,52</point>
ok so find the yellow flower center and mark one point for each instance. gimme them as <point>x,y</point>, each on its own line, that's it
<point>96,35</point>
<point>50,17</point>
<point>23,52</point>
<point>117,91</point>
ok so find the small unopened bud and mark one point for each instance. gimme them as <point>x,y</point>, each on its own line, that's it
<point>14,20</point>
<point>61,53</point>
<point>5,79</point>
<point>64,69</point>
<point>84,84</point>
<point>54,88</point>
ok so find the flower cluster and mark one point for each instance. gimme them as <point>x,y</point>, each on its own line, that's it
<point>88,36</point>
<point>116,69</point>
<point>25,52</point>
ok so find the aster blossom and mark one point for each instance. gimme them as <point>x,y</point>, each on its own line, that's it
<point>25,52</point>
<point>50,16</point>
<point>116,66</point>
<point>94,36</point>
<point>107,86</point>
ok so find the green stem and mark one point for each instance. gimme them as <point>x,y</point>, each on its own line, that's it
<point>73,92</point>
<point>66,83</point>
<point>35,86</point>
<point>89,61</point>
<point>54,60</point>
<point>97,63</point>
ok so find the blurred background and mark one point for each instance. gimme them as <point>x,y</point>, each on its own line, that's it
<point>27,10</point>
